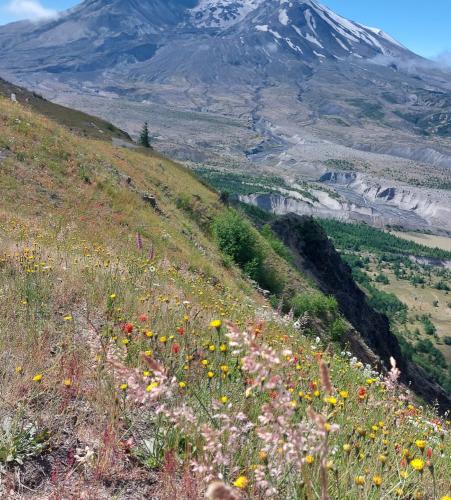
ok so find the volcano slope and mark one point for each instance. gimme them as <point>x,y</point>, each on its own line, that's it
<point>138,358</point>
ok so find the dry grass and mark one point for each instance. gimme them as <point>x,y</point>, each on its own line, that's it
<point>429,240</point>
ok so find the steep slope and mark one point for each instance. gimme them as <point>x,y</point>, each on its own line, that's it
<point>120,377</point>
<point>316,256</point>
<point>81,123</point>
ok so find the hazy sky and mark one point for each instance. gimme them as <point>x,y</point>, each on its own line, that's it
<point>424,27</point>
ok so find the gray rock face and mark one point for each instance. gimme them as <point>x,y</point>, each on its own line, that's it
<point>264,85</point>
<point>362,199</point>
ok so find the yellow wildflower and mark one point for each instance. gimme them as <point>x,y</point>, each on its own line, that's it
<point>241,482</point>
<point>37,378</point>
<point>216,323</point>
<point>309,459</point>
<point>163,339</point>
<point>421,444</point>
<point>224,399</point>
<point>417,464</point>
<point>377,481</point>
<point>331,400</point>
<point>182,385</point>
<point>210,374</point>
<point>359,480</point>
<point>344,394</point>
<point>67,382</point>
<point>123,387</point>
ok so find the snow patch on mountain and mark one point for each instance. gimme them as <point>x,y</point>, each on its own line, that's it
<point>310,20</point>
<point>222,13</point>
<point>384,35</point>
<point>313,40</point>
<point>283,17</point>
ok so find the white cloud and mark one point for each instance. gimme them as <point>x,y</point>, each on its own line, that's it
<point>29,9</point>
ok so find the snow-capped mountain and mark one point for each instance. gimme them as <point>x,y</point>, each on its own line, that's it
<point>101,34</point>
<point>301,25</point>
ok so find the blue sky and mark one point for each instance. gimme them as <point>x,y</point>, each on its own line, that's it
<point>424,27</point>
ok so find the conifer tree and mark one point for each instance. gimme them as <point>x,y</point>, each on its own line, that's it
<point>144,139</point>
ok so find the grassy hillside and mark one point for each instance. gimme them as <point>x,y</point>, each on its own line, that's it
<point>139,360</point>
<point>76,121</point>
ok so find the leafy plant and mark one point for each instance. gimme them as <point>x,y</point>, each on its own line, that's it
<point>20,442</point>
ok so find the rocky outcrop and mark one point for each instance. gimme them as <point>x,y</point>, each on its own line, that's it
<point>361,198</point>
<point>316,256</point>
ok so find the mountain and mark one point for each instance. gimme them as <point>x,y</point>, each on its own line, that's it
<point>99,35</point>
<point>286,88</point>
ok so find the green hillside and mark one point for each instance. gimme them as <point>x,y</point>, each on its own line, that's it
<point>145,351</point>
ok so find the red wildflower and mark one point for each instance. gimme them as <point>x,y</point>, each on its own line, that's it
<point>175,348</point>
<point>143,318</point>
<point>429,452</point>
<point>181,330</point>
<point>127,328</point>
<point>362,392</point>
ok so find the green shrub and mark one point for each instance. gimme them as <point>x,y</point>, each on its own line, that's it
<point>315,303</point>
<point>382,278</point>
<point>388,304</point>
<point>275,243</point>
<point>238,240</point>
<point>338,329</point>
<point>429,327</point>
<point>442,285</point>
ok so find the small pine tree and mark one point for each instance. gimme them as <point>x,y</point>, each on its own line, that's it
<point>144,139</point>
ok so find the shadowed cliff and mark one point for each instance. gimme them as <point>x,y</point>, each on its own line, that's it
<point>315,255</point>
